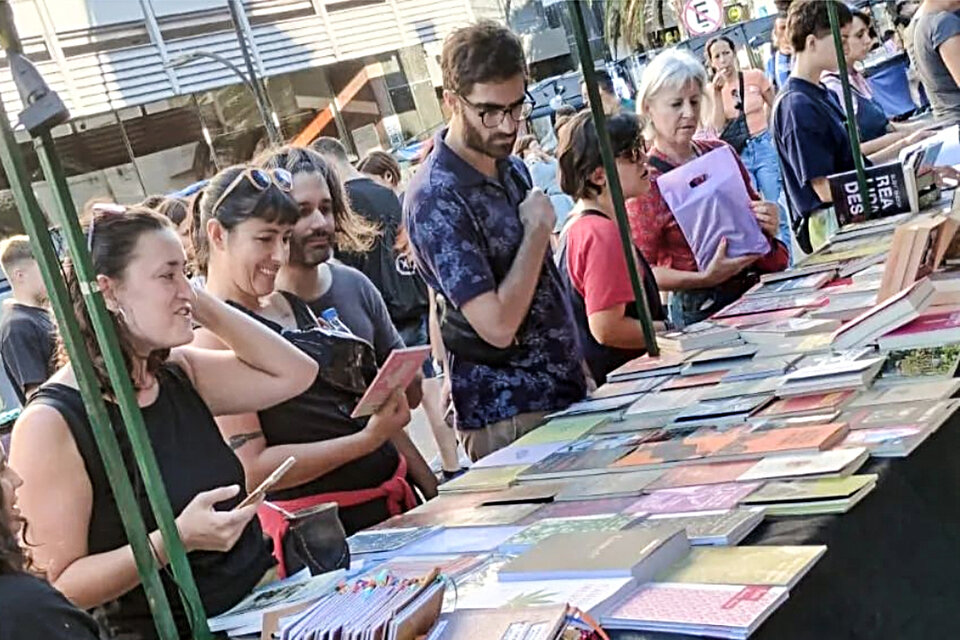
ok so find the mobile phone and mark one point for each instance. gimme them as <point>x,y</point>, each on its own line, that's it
<point>270,480</point>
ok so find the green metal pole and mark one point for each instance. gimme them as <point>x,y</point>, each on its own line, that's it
<point>848,107</point>
<point>122,387</point>
<point>613,179</point>
<point>42,245</point>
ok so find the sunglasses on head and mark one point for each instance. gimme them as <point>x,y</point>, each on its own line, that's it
<point>104,209</point>
<point>259,179</point>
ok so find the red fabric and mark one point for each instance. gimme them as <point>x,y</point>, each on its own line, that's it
<point>597,266</point>
<point>658,236</point>
<point>396,491</point>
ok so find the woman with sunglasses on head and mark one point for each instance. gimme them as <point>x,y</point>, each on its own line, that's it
<point>671,97</point>
<point>29,607</point>
<point>248,216</point>
<point>591,254</point>
<point>76,532</point>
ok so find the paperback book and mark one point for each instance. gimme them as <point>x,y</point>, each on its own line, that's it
<point>713,497</point>
<point>777,566</point>
<point>836,462</point>
<point>710,528</point>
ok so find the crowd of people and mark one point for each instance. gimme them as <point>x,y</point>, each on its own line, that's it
<point>253,314</point>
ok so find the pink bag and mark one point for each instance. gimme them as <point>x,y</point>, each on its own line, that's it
<point>709,199</point>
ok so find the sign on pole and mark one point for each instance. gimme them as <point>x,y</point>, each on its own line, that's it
<point>701,17</point>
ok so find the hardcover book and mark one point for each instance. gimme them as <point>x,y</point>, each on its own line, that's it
<point>712,497</point>
<point>723,611</point>
<point>600,554</point>
<point>839,462</point>
<point>777,566</point>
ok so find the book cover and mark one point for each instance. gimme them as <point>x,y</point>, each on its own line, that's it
<point>462,540</point>
<point>578,508</point>
<point>542,623</point>
<point>540,531</point>
<point>514,455</point>
<point>701,474</point>
<point>737,352</point>
<point>728,407</point>
<point>929,329</point>
<point>609,485</point>
<point>648,365</point>
<point>665,401</point>
<point>744,388</point>
<point>699,335</point>
<point>801,283</point>
<point>378,541</point>
<point>777,566</point>
<point>593,406</point>
<point>788,328</point>
<point>931,414</point>
<point>805,490</point>
<point>587,594</point>
<point>710,527</point>
<point>561,430</point>
<point>397,372</point>
<point>806,438</point>
<point>761,368</point>
<point>773,303</point>
<point>711,497</point>
<point>729,611</point>
<point>823,463</point>
<point>886,316</point>
<point>939,361</point>
<point>888,442</point>
<point>600,554</point>
<point>699,380</point>
<point>749,320</point>
<point>464,517</point>
<point>490,479</point>
<point>560,464</point>
<point>806,405</point>
<point>900,392</point>
<point>629,387</point>
<point>277,595</point>
<point>886,188</point>
<point>679,449</point>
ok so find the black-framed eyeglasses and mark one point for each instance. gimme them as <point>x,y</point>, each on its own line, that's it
<point>492,117</point>
<point>259,179</point>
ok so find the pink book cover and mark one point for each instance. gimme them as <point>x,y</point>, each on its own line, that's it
<point>579,509</point>
<point>711,497</point>
<point>696,474</point>
<point>743,321</point>
<point>712,605</point>
<point>397,372</point>
<point>936,321</point>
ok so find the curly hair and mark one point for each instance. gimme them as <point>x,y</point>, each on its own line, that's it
<point>355,234</point>
<point>13,558</point>
<point>112,244</point>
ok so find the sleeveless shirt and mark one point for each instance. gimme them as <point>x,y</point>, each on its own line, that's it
<point>192,458</point>
<point>320,413</point>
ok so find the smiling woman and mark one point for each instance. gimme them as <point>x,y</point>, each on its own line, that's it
<point>249,216</point>
<point>76,530</point>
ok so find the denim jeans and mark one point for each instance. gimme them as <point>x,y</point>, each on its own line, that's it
<point>760,159</point>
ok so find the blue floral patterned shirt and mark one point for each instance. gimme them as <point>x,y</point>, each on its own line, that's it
<point>465,227</point>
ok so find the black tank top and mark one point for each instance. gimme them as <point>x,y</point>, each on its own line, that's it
<point>192,457</point>
<point>320,413</point>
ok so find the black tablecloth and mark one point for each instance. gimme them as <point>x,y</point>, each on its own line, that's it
<point>892,567</point>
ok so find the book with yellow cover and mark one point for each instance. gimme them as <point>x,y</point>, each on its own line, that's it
<point>779,566</point>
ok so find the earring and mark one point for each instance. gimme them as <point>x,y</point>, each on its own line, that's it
<point>122,314</point>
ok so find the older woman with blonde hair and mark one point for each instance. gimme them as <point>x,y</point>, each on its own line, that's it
<point>671,100</point>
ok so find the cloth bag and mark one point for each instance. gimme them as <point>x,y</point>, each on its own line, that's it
<point>708,197</point>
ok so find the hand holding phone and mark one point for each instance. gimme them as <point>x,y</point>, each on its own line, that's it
<point>268,483</point>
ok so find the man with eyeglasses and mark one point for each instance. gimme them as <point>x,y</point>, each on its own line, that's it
<point>482,241</point>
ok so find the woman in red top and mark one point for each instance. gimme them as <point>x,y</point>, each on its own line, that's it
<point>671,97</point>
<point>591,256</point>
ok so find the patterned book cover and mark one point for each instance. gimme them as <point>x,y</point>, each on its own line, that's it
<point>701,474</point>
<point>540,531</point>
<point>771,565</point>
<point>577,508</point>
<point>711,497</point>
<point>688,606</point>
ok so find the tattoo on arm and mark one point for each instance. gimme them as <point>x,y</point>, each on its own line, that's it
<point>241,439</point>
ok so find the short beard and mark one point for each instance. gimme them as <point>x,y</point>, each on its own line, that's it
<point>473,139</point>
<point>300,257</point>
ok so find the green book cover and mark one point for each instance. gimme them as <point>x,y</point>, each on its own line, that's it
<point>562,430</point>
<point>540,531</point>
<point>758,565</point>
<point>806,490</point>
